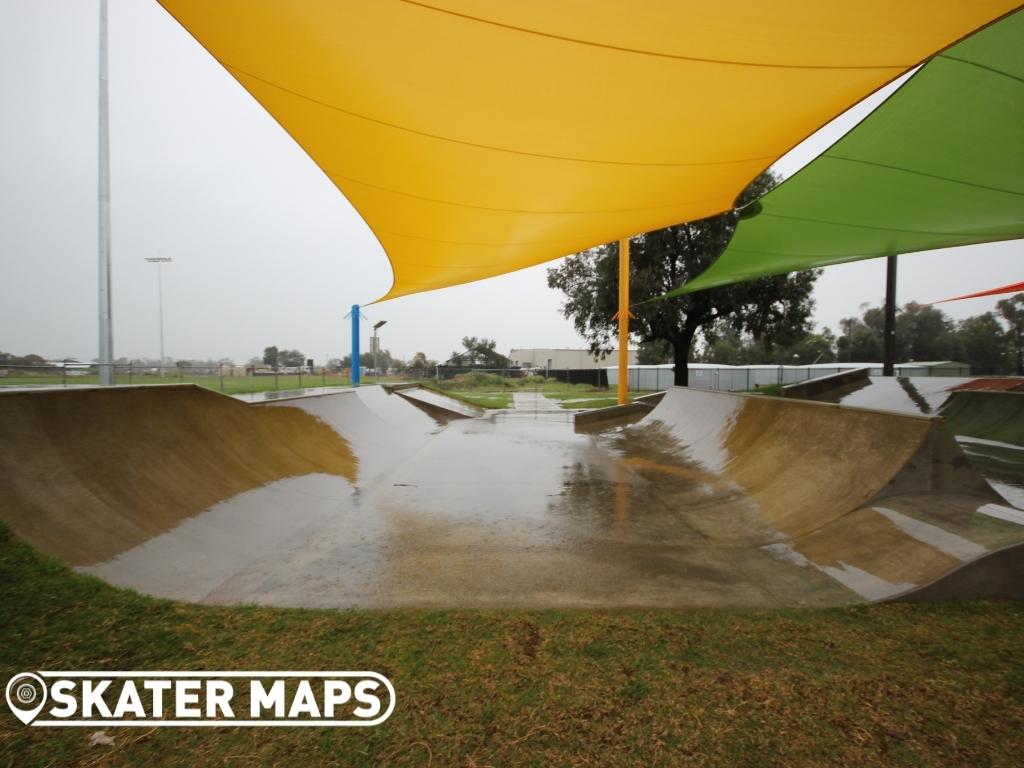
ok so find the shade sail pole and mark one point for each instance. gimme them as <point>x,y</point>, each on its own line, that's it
<point>623,316</point>
<point>356,366</point>
<point>889,342</point>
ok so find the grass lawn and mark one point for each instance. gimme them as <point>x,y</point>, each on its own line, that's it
<point>861,686</point>
<point>482,399</point>
<point>772,390</point>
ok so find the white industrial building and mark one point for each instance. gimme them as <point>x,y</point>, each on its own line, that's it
<point>564,359</point>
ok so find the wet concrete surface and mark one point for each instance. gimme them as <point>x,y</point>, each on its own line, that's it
<point>913,394</point>
<point>974,415</point>
<point>713,500</point>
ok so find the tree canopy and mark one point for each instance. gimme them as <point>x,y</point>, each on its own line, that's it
<point>1012,312</point>
<point>286,358</point>
<point>771,309</point>
<point>479,353</point>
<point>926,333</point>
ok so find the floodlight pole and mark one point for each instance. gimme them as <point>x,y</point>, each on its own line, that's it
<point>376,347</point>
<point>106,346</point>
<point>160,261</point>
<point>623,315</point>
<point>889,340</point>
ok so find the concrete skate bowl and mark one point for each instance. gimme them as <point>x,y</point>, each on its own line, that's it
<point>904,394</point>
<point>882,503</point>
<point>985,415</point>
<point>989,426</point>
<point>360,499</point>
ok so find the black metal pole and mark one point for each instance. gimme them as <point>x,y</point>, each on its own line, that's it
<point>889,342</point>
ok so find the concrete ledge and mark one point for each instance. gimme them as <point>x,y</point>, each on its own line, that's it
<point>812,388</point>
<point>652,399</point>
<point>438,406</point>
<point>395,387</point>
<point>612,413</point>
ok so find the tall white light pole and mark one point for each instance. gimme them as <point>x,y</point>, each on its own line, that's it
<point>160,261</point>
<point>376,348</point>
<point>106,315</point>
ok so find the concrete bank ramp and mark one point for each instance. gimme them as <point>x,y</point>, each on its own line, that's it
<point>986,416</point>
<point>904,394</point>
<point>89,474</point>
<point>989,426</point>
<point>883,503</point>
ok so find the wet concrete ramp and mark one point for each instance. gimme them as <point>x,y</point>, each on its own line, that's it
<point>88,474</point>
<point>358,498</point>
<point>989,426</point>
<point>904,394</point>
<point>881,502</point>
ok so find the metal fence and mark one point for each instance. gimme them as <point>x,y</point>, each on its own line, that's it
<point>225,377</point>
<point>727,378</point>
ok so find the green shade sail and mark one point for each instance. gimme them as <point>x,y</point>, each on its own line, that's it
<point>939,164</point>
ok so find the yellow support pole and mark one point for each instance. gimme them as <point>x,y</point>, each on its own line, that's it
<point>623,321</point>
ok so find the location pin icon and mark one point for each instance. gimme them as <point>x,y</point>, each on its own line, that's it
<point>26,696</point>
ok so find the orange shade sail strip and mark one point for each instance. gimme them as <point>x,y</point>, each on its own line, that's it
<point>477,138</point>
<point>1011,288</point>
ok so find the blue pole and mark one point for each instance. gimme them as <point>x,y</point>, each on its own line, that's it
<point>355,345</point>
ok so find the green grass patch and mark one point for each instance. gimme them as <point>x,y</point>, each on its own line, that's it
<point>887,685</point>
<point>772,390</point>
<point>474,397</point>
<point>487,400</point>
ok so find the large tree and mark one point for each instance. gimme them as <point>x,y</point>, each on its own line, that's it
<point>420,362</point>
<point>480,353</point>
<point>770,309</point>
<point>983,343</point>
<point>732,348</point>
<point>1012,311</point>
<point>925,333</point>
<point>861,340</point>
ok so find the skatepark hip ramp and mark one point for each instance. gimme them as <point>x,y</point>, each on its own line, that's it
<point>362,498</point>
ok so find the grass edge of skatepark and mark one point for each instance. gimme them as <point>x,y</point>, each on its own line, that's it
<point>864,685</point>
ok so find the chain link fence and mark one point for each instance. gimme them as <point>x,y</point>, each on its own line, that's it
<point>223,377</point>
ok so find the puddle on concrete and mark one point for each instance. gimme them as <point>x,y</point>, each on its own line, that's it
<point>517,509</point>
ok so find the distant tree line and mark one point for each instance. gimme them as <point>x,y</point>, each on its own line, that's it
<point>6,358</point>
<point>992,342</point>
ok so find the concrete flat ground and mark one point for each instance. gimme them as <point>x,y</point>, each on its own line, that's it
<point>362,498</point>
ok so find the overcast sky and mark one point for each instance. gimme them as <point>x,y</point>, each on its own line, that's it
<point>265,248</point>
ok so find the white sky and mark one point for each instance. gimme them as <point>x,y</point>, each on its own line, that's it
<point>265,248</point>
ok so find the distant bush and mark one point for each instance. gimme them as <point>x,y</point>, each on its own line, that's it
<point>474,380</point>
<point>479,379</point>
<point>531,381</point>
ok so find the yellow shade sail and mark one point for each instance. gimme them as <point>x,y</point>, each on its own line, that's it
<point>476,138</point>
